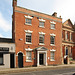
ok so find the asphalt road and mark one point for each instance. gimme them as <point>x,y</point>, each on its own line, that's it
<point>63,71</point>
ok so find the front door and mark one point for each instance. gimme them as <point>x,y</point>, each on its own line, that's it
<point>20,60</point>
<point>41,59</point>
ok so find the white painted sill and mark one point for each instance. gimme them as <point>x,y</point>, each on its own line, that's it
<point>52,29</point>
<point>41,44</point>
<point>41,27</point>
<point>28,24</point>
<point>27,43</point>
<point>52,60</point>
<point>28,60</point>
<point>52,44</point>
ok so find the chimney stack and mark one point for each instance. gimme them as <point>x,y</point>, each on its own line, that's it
<point>54,14</point>
<point>14,3</point>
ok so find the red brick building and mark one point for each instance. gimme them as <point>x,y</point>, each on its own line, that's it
<point>37,36</point>
<point>68,41</point>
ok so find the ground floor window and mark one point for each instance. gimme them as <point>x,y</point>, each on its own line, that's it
<point>52,56</point>
<point>1,59</point>
<point>28,56</point>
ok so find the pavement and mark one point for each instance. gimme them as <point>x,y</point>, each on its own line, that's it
<point>30,69</point>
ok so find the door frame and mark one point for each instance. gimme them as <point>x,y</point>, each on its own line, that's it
<point>44,57</point>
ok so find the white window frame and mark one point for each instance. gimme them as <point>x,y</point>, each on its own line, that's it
<point>50,40</point>
<point>31,38</point>
<point>41,25</point>
<point>43,39</point>
<point>28,17</point>
<point>29,60</point>
<point>30,32</point>
<point>52,58</point>
<point>51,26</point>
<point>52,23</point>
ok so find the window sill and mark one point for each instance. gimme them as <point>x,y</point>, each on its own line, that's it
<point>52,60</point>
<point>41,27</point>
<point>52,29</point>
<point>28,60</point>
<point>27,43</point>
<point>52,44</point>
<point>28,24</point>
<point>41,44</point>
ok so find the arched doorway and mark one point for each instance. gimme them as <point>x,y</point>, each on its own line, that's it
<point>20,60</point>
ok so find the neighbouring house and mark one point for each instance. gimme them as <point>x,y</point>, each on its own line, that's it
<point>68,41</point>
<point>37,37</point>
<point>7,53</point>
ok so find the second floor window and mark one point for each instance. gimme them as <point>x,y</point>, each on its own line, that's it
<point>41,38</point>
<point>41,24</point>
<point>52,39</point>
<point>28,21</point>
<point>52,26</point>
<point>28,37</point>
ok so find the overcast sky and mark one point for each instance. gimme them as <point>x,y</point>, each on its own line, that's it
<point>65,8</point>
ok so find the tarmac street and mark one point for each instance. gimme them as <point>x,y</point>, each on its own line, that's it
<point>68,69</point>
<point>60,71</point>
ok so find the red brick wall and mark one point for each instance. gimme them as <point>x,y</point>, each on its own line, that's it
<point>20,33</point>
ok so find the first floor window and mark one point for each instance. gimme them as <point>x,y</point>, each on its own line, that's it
<point>28,21</point>
<point>41,24</point>
<point>41,38</point>
<point>52,26</point>
<point>52,56</point>
<point>28,37</point>
<point>1,58</point>
<point>52,39</point>
<point>28,55</point>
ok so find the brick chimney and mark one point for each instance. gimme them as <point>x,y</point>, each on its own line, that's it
<point>54,14</point>
<point>14,3</point>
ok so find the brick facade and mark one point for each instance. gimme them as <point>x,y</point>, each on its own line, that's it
<point>68,42</point>
<point>19,36</point>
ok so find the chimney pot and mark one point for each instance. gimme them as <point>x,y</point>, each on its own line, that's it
<point>54,14</point>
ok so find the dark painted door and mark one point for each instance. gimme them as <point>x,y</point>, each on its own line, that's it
<point>12,61</point>
<point>41,59</point>
<point>20,60</point>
